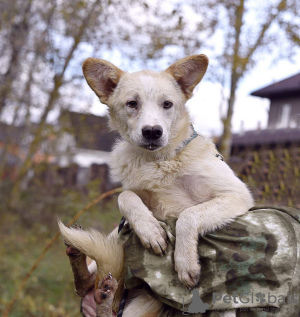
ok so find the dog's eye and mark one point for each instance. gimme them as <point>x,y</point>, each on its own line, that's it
<point>168,104</point>
<point>132,104</point>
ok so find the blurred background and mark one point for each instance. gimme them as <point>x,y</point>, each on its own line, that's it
<point>54,140</point>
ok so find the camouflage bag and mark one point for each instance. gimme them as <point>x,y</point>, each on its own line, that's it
<point>251,265</point>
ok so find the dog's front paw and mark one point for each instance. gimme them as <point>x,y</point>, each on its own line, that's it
<point>188,270</point>
<point>152,236</point>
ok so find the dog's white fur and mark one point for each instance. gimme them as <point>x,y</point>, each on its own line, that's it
<point>163,179</point>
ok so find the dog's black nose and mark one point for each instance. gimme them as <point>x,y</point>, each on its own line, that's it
<point>152,133</point>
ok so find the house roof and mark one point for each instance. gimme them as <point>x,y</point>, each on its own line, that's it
<point>90,131</point>
<point>288,86</point>
<point>266,137</point>
<point>18,139</point>
<point>11,133</point>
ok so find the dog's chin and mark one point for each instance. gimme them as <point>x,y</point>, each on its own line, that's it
<point>150,147</point>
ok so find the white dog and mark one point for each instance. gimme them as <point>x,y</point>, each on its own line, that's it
<point>167,170</point>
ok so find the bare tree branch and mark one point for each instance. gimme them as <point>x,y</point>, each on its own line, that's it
<point>54,94</point>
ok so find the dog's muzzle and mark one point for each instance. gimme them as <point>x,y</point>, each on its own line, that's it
<point>152,136</point>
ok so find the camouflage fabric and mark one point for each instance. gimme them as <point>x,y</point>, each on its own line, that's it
<point>251,265</point>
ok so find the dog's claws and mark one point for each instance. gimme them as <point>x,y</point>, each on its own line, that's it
<point>155,239</point>
<point>76,226</point>
<point>106,289</point>
<point>162,250</point>
<point>188,271</point>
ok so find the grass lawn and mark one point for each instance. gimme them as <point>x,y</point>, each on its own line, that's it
<point>50,290</point>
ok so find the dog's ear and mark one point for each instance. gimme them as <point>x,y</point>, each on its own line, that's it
<point>102,77</point>
<point>188,72</point>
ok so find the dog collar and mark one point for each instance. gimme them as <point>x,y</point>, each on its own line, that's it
<point>187,141</point>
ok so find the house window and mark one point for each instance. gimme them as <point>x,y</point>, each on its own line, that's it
<point>284,117</point>
<point>295,121</point>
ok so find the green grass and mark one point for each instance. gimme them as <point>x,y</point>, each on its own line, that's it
<point>25,232</point>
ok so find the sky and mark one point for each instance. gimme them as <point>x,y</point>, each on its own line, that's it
<point>250,112</point>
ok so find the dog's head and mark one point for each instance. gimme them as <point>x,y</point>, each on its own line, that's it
<point>146,106</point>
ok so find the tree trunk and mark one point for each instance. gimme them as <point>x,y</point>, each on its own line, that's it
<point>58,81</point>
<point>226,139</point>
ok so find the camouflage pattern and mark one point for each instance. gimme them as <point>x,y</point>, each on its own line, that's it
<point>258,254</point>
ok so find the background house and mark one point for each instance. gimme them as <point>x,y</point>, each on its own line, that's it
<point>284,102</point>
<point>10,137</point>
<point>14,143</point>
<point>283,128</point>
<point>269,159</point>
<point>79,153</point>
<point>83,148</point>
<point>86,139</point>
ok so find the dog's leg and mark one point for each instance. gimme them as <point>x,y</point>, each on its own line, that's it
<point>104,296</point>
<point>147,228</point>
<point>83,278</point>
<point>95,303</point>
<point>201,219</point>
